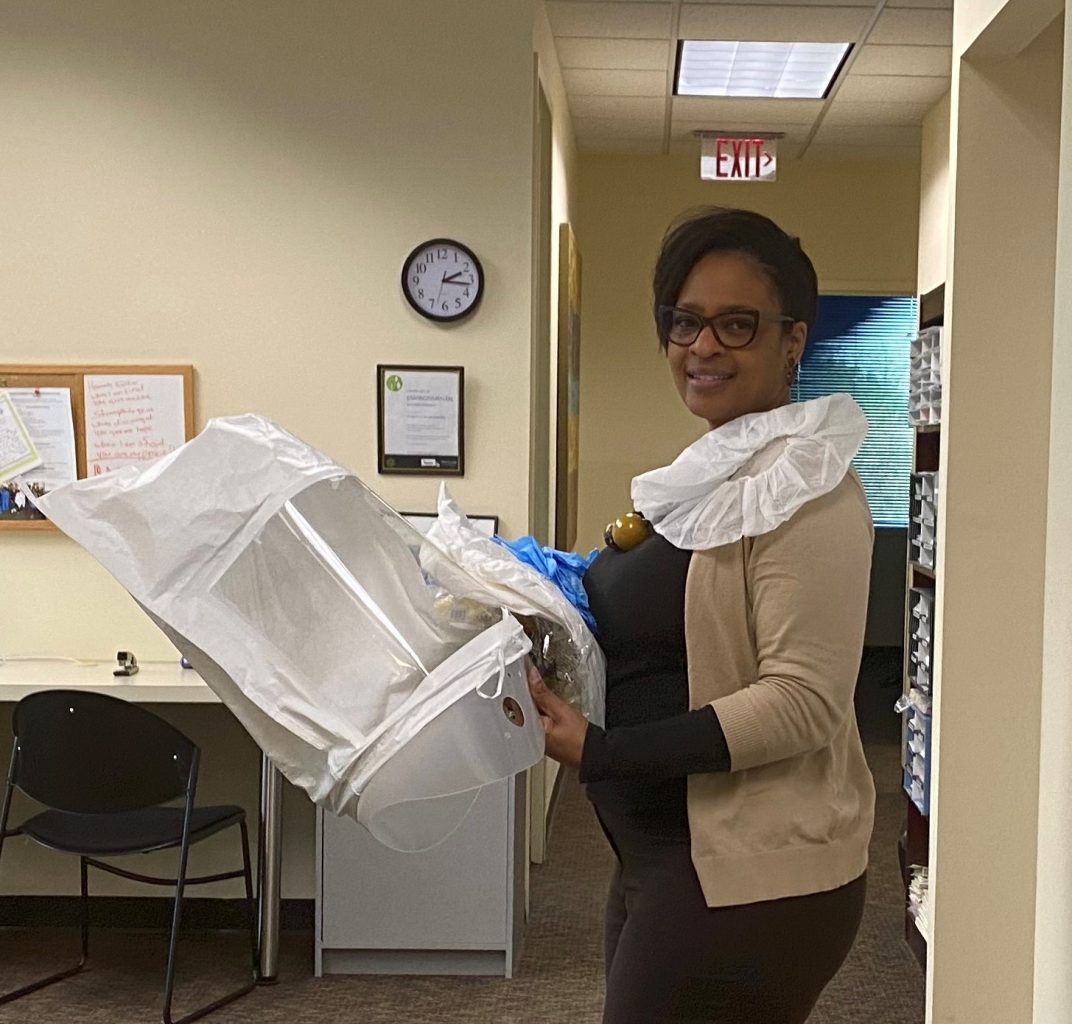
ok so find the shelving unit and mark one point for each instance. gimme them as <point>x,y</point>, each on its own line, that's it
<point>920,583</point>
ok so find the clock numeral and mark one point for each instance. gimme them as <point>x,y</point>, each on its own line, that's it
<point>444,307</point>
<point>431,303</point>
<point>416,280</point>
<point>457,303</point>
<point>422,268</point>
<point>442,254</point>
<point>466,293</point>
<point>465,265</point>
<point>420,293</point>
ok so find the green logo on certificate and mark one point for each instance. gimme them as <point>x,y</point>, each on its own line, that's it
<point>394,382</point>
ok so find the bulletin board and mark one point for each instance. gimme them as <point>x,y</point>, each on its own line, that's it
<point>120,415</point>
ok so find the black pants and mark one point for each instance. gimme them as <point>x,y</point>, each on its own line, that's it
<point>673,960</point>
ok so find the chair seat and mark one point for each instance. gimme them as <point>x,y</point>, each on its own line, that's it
<point>140,831</point>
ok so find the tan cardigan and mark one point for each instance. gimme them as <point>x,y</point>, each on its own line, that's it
<point>774,630</point>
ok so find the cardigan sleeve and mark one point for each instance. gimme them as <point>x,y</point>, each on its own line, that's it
<point>808,582</point>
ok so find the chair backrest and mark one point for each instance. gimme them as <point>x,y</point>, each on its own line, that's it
<point>92,754</point>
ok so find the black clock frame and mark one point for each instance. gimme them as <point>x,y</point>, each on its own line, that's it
<point>428,314</point>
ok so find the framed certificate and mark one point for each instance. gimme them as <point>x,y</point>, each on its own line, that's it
<point>421,419</point>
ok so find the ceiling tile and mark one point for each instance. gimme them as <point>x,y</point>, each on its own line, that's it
<point>641,107</point>
<point>913,27</point>
<point>603,144</point>
<point>614,83</point>
<point>943,5</point>
<point>773,23</point>
<point>611,54</point>
<point>793,133</point>
<point>878,154</point>
<point>789,3</point>
<point>610,20</point>
<point>876,88</point>
<point>625,127</point>
<point>847,112</point>
<point>703,108</point>
<point>904,60</point>
<point>868,135</point>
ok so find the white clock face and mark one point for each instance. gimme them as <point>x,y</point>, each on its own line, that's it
<point>442,280</point>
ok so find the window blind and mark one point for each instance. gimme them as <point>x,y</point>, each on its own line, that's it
<point>860,345</point>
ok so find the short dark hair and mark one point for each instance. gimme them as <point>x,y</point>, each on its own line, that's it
<point>724,230</point>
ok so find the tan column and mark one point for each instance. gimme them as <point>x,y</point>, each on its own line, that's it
<point>1053,913</point>
<point>993,511</point>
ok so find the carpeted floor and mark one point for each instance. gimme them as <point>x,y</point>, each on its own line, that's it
<point>560,974</point>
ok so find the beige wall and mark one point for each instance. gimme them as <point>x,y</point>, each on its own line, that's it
<point>934,198</point>
<point>239,192</point>
<point>992,536</point>
<point>858,222</point>
<point>1053,897</point>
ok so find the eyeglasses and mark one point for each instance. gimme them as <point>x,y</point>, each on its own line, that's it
<point>734,329</point>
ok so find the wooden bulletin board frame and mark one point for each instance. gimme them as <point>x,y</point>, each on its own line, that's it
<point>72,376</point>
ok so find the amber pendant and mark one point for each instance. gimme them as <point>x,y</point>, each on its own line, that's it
<point>626,532</point>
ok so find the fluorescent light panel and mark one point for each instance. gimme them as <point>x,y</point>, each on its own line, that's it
<point>772,70</point>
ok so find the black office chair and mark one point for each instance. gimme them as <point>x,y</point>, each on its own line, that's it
<point>103,768</point>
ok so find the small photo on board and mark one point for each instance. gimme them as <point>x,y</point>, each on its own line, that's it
<point>15,503</point>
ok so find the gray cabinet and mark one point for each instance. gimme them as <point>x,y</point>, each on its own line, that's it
<point>455,909</point>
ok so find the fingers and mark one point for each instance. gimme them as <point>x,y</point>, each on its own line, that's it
<point>546,702</point>
<point>543,697</point>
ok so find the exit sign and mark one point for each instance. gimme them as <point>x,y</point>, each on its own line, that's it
<point>738,158</point>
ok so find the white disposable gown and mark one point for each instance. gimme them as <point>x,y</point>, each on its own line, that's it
<point>313,610</point>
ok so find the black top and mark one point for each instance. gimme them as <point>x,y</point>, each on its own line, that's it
<point>652,741</point>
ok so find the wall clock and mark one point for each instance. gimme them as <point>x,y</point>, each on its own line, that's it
<point>443,280</point>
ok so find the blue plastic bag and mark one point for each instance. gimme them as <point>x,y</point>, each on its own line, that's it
<point>563,568</point>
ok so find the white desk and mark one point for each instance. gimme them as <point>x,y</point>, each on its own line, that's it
<point>160,683</point>
<point>154,683</point>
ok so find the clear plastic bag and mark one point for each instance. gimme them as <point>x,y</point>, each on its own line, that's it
<point>479,570</point>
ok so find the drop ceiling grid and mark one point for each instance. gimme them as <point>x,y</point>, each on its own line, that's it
<point>615,57</point>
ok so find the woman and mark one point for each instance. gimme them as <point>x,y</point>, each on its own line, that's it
<point>730,780</point>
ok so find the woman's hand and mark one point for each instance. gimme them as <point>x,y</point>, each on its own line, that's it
<point>563,725</point>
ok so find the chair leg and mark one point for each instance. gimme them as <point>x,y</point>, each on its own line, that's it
<point>25,990</point>
<point>251,904</point>
<point>176,924</point>
<point>180,885</point>
<point>85,910</point>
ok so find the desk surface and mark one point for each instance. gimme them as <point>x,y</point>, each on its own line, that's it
<point>154,683</point>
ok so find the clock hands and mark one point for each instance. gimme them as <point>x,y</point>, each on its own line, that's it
<point>453,279</point>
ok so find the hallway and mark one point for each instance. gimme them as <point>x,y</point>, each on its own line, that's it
<point>560,974</point>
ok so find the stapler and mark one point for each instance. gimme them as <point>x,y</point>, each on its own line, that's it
<point>128,664</point>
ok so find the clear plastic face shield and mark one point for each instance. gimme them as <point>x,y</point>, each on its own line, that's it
<point>323,620</point>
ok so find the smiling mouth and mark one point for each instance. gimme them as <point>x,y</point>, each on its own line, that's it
<point>698,377</point>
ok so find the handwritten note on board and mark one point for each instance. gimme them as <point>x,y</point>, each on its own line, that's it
<point>131,419</point>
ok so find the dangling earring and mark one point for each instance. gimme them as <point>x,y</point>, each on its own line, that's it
<point>791,374</point>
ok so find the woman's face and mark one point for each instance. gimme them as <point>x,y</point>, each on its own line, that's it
<point>719,384</point>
